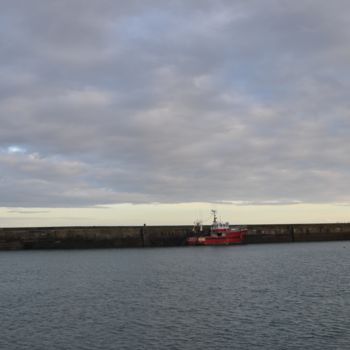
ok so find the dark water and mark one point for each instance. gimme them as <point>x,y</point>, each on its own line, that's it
<point>282,296</point>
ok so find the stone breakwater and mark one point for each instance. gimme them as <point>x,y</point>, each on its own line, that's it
<point>156,236</point>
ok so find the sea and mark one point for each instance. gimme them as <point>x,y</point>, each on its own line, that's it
<point>268,296</point>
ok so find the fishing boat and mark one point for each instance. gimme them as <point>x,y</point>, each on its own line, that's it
<point>220,234</point>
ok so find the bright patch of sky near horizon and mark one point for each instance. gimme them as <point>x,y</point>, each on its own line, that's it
<point>179,103</point>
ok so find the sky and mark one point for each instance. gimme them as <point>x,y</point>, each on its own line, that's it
<point>125,112</point>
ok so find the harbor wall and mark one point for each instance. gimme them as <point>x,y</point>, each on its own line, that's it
<point>156,236</point>
<point>298,233</point>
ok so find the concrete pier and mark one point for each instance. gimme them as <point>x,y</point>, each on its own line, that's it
<point>156,236</point>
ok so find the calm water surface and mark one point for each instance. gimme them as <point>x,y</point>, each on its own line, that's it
<point>281,296</point>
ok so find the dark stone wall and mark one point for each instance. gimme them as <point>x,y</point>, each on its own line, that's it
<point>70,237</point>
<point>156,236</point>
<point>297,233</point>
<point>270,234</point>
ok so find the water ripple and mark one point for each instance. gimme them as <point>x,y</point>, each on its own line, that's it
<point>283,296</point>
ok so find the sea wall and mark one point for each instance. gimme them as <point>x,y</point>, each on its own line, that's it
<point>156,236</point>
<point>92,237</point>
<point>297,233</point>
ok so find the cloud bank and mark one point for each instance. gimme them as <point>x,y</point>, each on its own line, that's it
<point>107,102</point>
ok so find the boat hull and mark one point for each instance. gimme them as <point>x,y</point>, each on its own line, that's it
<point>237,237</point>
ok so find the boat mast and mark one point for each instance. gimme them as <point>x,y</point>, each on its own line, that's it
<point>215,217</point>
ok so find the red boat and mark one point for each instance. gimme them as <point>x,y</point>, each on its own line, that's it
<point>220,234</point>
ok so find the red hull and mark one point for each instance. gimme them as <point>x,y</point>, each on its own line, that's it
<point>222,238</point>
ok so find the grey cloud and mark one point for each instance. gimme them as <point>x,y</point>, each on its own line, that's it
<point>30,212</point>
<point>174,101</point>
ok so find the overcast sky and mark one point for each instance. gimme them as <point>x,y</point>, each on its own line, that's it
<point>106,101</point>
